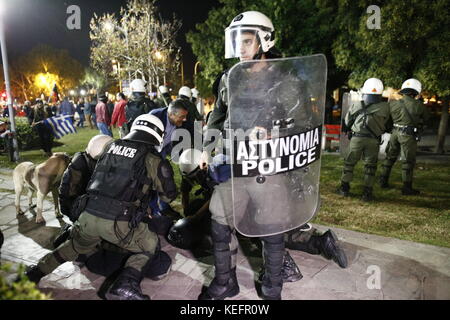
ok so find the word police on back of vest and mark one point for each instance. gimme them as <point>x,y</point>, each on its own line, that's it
<point>276,155</point>
<point>122,151</point>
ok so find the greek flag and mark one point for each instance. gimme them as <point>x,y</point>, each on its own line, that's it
<point>60,125</point>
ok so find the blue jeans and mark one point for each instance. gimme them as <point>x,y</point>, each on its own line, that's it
<point>104,129</point>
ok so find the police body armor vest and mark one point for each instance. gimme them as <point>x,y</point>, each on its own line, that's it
<point>119,187</point>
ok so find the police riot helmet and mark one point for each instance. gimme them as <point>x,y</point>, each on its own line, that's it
<point>373,86</point>
<point>189,160</point>
<point>146,128</point>
<point>185,91</point>
<point>411,86</point>
<point>163,89</point>
<point>97,145</point>
<point>250,21</point>
<point>372,91</point>
<point>137,85</point>
<point>194,93</point>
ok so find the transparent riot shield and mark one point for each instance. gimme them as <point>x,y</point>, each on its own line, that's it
<point>344,141</point>
<point>276,113</point>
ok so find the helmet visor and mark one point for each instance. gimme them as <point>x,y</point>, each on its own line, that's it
<point>241,42</point>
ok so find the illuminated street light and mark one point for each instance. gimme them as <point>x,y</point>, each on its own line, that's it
<point>82,92</point>
<point>108,26</point>
<point>72,92</point>
<point>159,55</point>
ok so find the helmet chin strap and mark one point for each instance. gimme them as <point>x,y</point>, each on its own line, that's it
<point>259,54</point>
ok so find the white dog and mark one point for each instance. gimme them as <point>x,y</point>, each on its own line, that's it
<point>40,179</point>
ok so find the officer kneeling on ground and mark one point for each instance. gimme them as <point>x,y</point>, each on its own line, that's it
<point>117,202</point>
<point>72,193</point>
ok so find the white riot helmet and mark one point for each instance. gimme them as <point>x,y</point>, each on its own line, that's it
<point>189,160</point>
<point>146,128</point>
<point>163,89</point>
<point>97,145</point>
<point>250,21</point>
<point>194,93</point>
<point>185,91</point>
<point>372,86</point>
<point>412,84</point>
<point>137,85</point>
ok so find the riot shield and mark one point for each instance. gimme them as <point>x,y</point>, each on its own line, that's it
<point>276,113</point>
<point>344,141</point>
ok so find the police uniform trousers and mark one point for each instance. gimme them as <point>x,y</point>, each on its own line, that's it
<point>221,208</point>
<point>367,149</point>
<point>88,231</point>
<point>404,145</point>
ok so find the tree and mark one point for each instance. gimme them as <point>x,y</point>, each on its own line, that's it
<point>139,39</point>
<point>36,72</point>
<point>93,80</point>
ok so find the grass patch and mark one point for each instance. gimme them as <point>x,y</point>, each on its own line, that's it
<point>424,218</point>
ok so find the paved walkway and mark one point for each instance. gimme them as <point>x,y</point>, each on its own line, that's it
<point>379,267</point>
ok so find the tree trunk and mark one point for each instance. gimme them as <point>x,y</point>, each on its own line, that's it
<point>443,125</point>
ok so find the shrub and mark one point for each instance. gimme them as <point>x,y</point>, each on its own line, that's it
<point>27,137</point>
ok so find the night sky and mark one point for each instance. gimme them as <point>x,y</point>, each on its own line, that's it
<point>31,22</point>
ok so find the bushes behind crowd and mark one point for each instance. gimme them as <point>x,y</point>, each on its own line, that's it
<point>27,138</point>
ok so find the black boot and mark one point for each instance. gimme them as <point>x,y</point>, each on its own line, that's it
<point>224,285</point>
<point>384,182</point>
<point>327,244</point>
<point>273,254</point>
<point>34,274</point>
<point>344,189</point>
<point>62,236</point>
<point>367,194</point>
<point>290,271</point>
<point>127,286</point>
<point>407,189</point>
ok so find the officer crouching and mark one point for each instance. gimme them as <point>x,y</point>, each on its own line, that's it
<point>118,195</point>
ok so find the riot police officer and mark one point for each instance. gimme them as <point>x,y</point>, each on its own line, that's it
<point>250,36</point>
<point>75,180</point>
<point>409,116</point>
<point>164,98</point>
<point>117,204</point>
<point>138,103</point>
<point>366,121</point>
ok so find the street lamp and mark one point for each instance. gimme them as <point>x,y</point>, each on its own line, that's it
<point>195,67</point>
<point>8,86</point>
<point>82,92</point>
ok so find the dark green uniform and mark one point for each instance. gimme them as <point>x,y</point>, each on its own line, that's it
<point>89,230</point>
<point>409,116</point>
<point>367,124</point>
